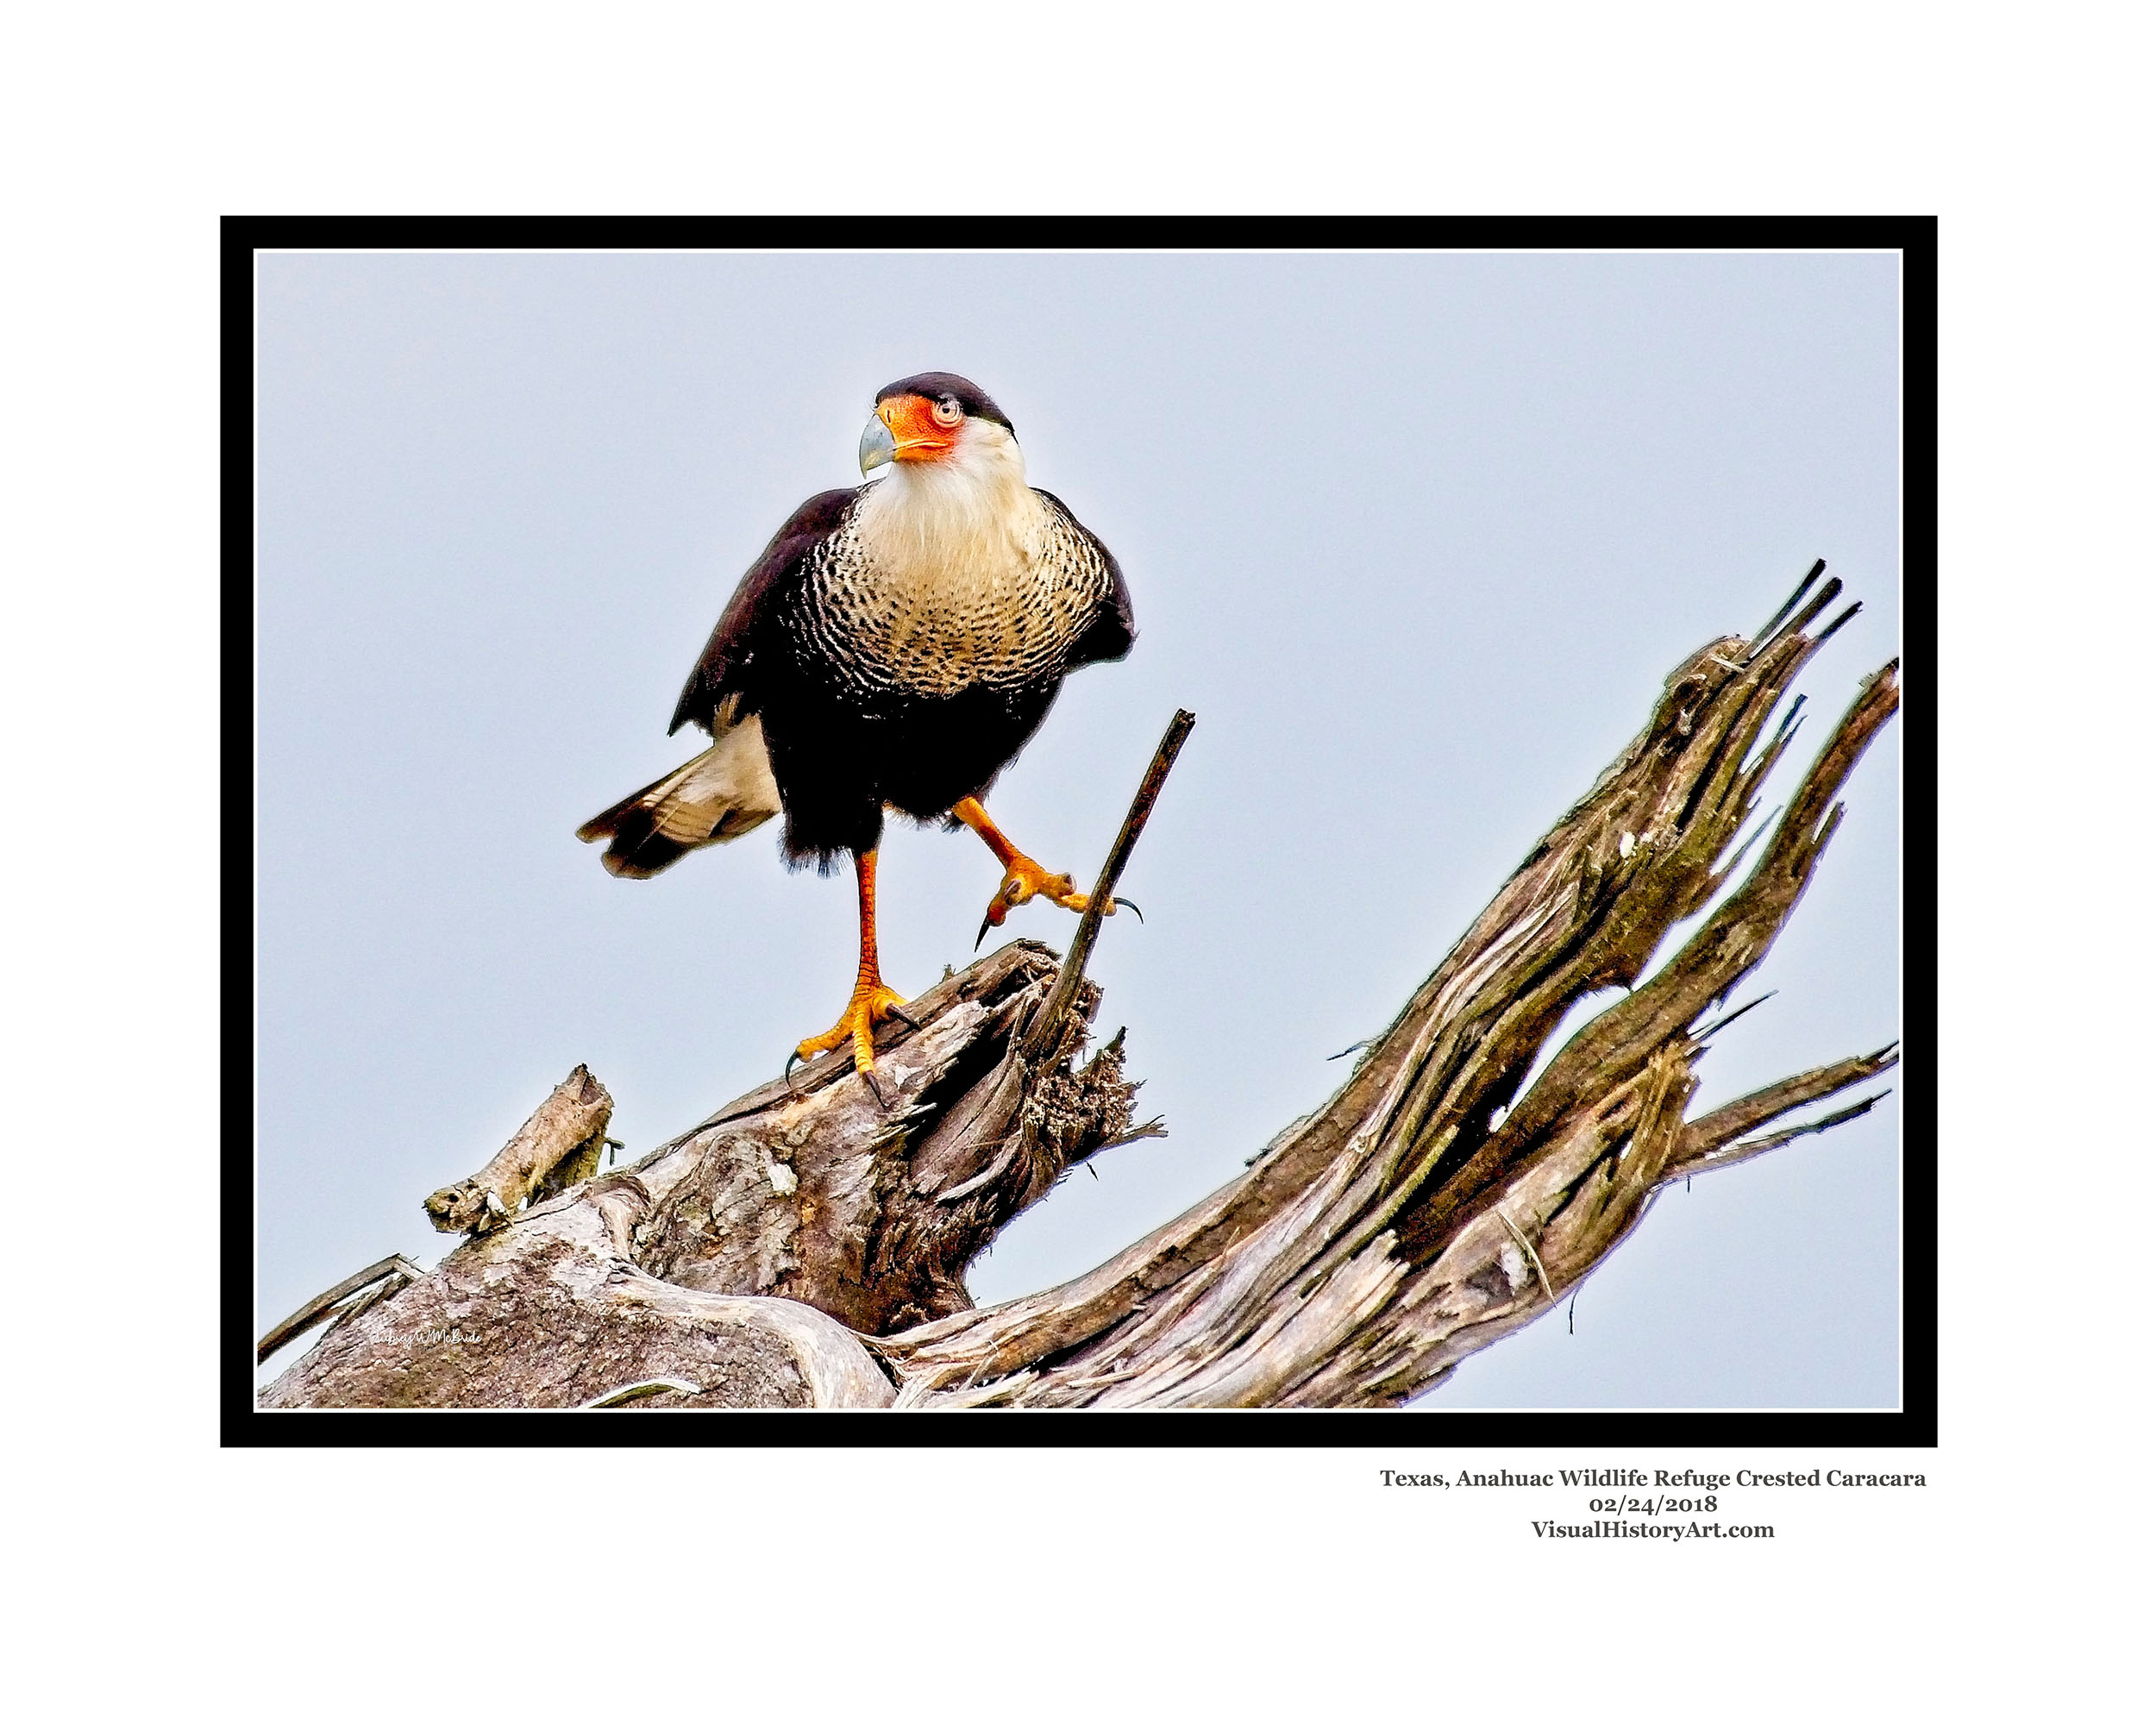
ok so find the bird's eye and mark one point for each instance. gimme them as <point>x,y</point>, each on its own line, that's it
<point>947,412</point>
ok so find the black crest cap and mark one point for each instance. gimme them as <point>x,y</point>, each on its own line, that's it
<point>935,384</point>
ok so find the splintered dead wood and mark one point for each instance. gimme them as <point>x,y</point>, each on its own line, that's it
<point>1437,1202</point>
<point>1428,1209</point>
<point>744,1256</point>
<point>885,1189</point>
<point>829,1196</point>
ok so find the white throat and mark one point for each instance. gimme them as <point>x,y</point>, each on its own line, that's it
<point>950,526</point>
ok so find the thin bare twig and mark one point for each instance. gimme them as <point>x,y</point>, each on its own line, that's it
<point>1041,1038</point>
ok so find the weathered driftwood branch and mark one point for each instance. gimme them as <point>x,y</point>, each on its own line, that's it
<point>805,1245</point>
<point>1429,1208</point>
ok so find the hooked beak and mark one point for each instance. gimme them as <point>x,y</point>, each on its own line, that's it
<point>877,445</point>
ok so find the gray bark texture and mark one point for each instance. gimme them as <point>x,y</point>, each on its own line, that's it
<point>805,1245</point>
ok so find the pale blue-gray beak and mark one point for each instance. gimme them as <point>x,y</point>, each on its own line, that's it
<point>877,446</point>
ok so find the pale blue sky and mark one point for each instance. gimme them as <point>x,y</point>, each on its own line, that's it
<point>1417,537</point>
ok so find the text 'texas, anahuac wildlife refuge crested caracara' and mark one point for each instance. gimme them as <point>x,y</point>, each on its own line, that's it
<point>894,646</point>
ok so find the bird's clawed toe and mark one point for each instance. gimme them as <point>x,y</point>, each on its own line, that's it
<point>1025,879</point>
<point>871,1004</point>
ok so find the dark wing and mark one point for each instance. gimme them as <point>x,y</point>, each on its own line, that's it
<point>729,654</point>
<point>1113,628</point>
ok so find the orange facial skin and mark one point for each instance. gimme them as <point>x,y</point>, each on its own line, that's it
<point>911,420</point>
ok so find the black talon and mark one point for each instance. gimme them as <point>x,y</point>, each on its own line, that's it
<point>904,1017</point>
<point>868,1077</point>
<point>787,1075</point>
<point>1006,895</point>
<point>1129,906</point>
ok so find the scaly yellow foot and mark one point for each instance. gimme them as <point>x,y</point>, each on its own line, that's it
<point>1025,879</point>
<point>871,1004</point>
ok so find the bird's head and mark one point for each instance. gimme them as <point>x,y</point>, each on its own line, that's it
<point>936,418</point>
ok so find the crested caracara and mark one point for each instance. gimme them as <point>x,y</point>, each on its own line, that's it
<point>894,647</point>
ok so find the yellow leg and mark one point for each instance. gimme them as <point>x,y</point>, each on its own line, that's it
<point>871,1002</point>
<point>1023,878</point>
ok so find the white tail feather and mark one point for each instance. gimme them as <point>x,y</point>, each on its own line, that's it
<point>725,792</point>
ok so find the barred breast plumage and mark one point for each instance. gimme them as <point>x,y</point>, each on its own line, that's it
<point>1005,611</point>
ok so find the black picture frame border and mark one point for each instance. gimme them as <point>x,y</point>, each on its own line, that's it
<point>1915,238</point>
